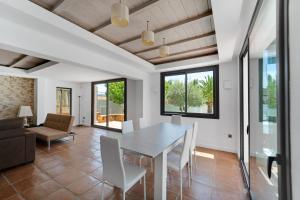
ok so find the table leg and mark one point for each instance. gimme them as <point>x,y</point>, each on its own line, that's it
<point>160,176</point>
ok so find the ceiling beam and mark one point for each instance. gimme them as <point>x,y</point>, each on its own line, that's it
<point>188,51</point>
<point>189,57</point>
<point>170,26</point>
<point>56,5</point>
<point>17,60</point>
<point>53,8</point>
<point>131,11</point>
<point>178,42</point>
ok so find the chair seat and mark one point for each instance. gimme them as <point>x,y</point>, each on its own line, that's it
<point>174,161</point>
<point>133,174</point>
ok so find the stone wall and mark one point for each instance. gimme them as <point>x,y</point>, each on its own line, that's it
<point>14,92</point>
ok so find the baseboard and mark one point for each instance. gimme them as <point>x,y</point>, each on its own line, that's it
<point>209,146</point>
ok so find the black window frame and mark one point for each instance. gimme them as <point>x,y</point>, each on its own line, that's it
<point>216,106</point>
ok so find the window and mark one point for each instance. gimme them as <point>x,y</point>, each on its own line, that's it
<point>63,101</point>
<point>191,92</point>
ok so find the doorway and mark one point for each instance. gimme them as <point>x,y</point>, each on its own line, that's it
<point>109,104</point>
<point>264,104</point>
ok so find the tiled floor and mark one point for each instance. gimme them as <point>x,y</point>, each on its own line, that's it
<point>72,170</point>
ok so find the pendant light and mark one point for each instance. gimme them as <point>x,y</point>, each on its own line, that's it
<point>148,36</point>
<point>164,50</point>
<point>119,14</point>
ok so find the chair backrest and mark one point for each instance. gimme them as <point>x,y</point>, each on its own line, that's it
<point>127,126</point>
<point>113,168</point>
<point>142,123</point>
<point>176,119</point>
<point>184,157</point>
<point>59,122</point>
<point>195,131</point>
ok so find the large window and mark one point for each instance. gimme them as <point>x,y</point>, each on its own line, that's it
<point>109,103</point>
<point>63,101</point>
<point>191,92</point>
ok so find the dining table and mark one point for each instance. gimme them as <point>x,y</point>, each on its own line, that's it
<point>155,141</point>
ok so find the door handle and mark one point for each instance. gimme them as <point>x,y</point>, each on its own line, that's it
<point>271,159</point>
<point>247,130</point>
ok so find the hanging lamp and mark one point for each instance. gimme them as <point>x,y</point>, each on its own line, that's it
<point>148,36</point>
<point>164,50</point>
<point>119,14</point>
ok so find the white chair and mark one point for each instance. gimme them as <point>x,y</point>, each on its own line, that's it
<point>178,162</point>
<point>120,175</point>
<point>127,127</point>
<point>142,124</point>
<point>178,148</point>
<point>176,119</point>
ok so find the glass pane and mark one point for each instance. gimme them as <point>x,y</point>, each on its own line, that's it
<point>263,103</point>
<point>246,110</point>
<point>200,92</point>
<point>116,95</point>
<point>100,99</point>
<point>58,98</point>
<point>65,101</point>
<point>175,93</point>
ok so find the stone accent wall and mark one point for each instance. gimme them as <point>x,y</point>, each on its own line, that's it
<point>14,92</point>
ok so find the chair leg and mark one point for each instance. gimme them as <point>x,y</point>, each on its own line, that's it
<point>191,162</point>
<point>151,165</point>
<point>195,158</point>
<point>102,190</point>
<point>180,174</point>
<point>189,176</point>
<point>48,145</point>
<point>145,189</point>
<point>123,194</point>
<point>140,164</point>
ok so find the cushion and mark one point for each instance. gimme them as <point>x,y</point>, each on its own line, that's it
<point>45,133</point>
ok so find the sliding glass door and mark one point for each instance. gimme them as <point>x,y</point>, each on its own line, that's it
<point>109,104</point>
<point>264,143</point>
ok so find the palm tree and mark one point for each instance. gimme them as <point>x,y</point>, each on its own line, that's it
<point>207,86</point>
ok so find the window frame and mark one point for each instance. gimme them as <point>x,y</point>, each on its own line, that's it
<point>214,69</point>
<point>60,89</point>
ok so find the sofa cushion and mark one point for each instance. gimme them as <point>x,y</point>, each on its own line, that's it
<point>11,123</point>
<point>46,133</point>
<point>59,122</point>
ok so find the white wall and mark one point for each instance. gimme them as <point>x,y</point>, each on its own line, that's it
<point>46,97</point>
<point>295,94</point>
<point>212,133</point>
<point>85,104</point>
<point>134,101</point>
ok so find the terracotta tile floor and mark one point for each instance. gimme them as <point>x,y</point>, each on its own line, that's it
<point>72,170</point>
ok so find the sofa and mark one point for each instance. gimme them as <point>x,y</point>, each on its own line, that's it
<point>55,127</point>
<point>17,144</point>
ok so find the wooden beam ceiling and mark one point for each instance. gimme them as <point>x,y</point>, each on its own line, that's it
<point>170,26</point>
<point>131,12</point>
<point>56,5</point>
<point>178,42</point>
<point>185,52</point>
<point>18,60</point>
<point>215,52</point>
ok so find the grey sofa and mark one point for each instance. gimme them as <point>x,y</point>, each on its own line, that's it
<point>16,143</point>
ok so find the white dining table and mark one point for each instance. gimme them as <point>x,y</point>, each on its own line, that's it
<point>155,142</point>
